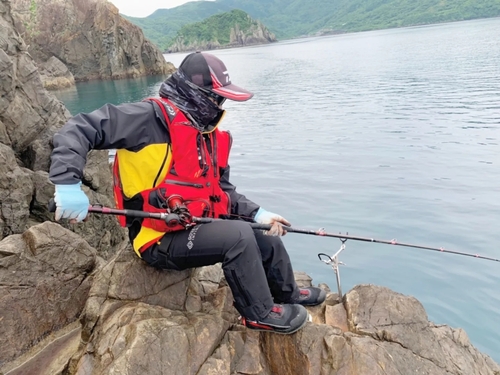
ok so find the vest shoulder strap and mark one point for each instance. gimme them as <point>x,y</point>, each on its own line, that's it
<point>166,108</point>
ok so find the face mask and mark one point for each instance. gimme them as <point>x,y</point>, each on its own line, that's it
<point>191,100</point>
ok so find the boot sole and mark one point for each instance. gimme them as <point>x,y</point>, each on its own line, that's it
<point>272,330</point>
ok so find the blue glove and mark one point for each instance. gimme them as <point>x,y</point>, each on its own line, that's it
<point>265,217</point>
<point>71,202</point>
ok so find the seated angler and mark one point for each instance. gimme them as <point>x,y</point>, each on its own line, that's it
<point>171,153</point>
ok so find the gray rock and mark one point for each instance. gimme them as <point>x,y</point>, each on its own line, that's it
<point>44,285</point>
<point>405,339</point>
<point>29,117</point>
<point>91,37</point>
<point>55,75</point>
<point>16,190</point>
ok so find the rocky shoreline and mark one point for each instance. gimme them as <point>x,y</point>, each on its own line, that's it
<point>120,316</point>
<point>238,38</point>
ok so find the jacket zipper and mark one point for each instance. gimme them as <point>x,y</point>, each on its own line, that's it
<point>209,138</point>
<point>161,168</point>
<point>202,157</point>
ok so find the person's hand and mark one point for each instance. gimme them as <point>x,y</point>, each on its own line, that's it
<point>265,217</point>
<point>71,203</point>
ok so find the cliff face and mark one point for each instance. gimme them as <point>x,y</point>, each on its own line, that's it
<point>29,117</point>
<point>89,37</point>
<point>256,34</point>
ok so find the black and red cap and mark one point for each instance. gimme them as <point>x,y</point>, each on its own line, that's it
<point>209,72</point>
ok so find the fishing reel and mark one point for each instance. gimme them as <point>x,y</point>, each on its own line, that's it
<point>178,212</point>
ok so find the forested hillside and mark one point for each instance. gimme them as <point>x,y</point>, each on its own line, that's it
<point>162,26</point>
<point>293,18</point>
<point>228,29</point>
<point>368,15</point>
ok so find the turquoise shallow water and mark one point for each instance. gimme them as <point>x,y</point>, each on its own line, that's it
<point>392,134</point>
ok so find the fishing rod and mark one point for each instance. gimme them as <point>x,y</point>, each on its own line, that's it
<point>177,215</point>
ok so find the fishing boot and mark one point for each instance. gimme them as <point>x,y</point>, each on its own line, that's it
<point>310,296</point>
<point>283,319</point>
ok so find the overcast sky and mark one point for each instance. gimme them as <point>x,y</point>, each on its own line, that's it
<point>143,8</point>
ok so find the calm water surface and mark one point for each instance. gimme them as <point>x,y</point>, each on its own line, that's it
<point>390,134</point>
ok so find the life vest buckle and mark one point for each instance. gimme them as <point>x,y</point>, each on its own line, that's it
<point>215,198</point>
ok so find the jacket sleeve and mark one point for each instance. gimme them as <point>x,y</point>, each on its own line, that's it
<point>240,205</point>
<point>131,126</point>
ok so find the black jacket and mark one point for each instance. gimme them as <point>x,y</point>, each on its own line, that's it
<point>130,126</point>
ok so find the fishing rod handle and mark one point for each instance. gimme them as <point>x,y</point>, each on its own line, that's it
<point>171,219</point>
<point>51,206</point>
<point>206,220</point>
<point>269,226</point>
<point>261,226</point>
<point>165,217</point>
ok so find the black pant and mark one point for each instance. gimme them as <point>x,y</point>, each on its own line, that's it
<point>256,267</point>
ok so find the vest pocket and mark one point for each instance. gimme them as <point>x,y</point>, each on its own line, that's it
<point>184,183</point>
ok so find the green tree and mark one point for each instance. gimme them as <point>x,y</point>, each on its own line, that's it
<point>216,29</point>
<point>294,18</point>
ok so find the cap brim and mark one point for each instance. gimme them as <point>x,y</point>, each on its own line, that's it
<point>233,92</point>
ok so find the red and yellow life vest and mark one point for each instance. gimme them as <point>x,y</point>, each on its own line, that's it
<point>188,166</point>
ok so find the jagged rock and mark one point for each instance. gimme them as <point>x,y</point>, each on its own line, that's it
<point>336,316</point>
<point>126,278</point>
<point>136,318</point>
<point>16,190</point>
<point>89,36</point>
<point>55,75</point>
<point>256,35</point>
<point>29,117</point>
<point>161,341</point>
<point>388,334</point>
<point>402,332</point>
<point>44,284</point>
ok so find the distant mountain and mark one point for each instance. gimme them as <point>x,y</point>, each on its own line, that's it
<point>230,29</point>
<point>162,26</point>
<point>294,18</point>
